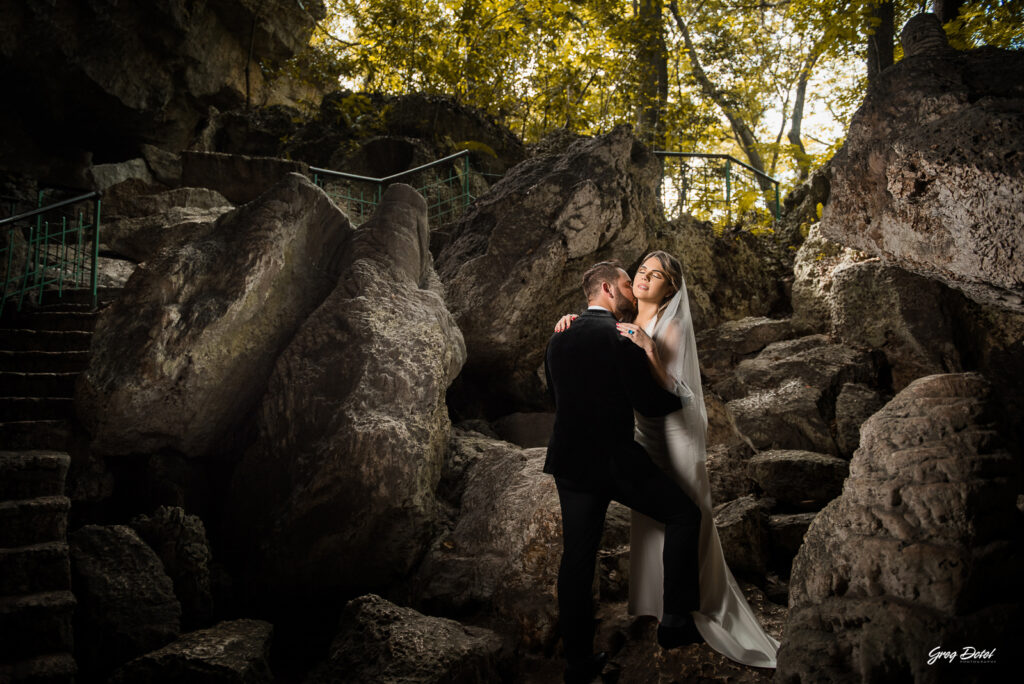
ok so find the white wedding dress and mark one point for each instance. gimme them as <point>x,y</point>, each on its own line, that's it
<point>676,444</point>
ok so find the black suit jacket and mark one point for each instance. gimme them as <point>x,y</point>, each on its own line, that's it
<point>597,378</point>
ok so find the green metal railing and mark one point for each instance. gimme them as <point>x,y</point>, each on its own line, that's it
<point>714,187</point>
<point>41,252</point>
<point>444,183</point>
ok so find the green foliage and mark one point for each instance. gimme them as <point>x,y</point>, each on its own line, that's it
<point>585,65</point>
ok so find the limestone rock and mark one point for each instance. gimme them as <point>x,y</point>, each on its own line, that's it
<point>106,175</point>
<point>238,177</point>
<point>727,471</point>
<point>380,642</point>
<point>183,356</point>
<point>907,317</point>
<point>179,540</point>
<point>785,417</point>
<point>504,551</point>
<point>802,479</point>
<point>164,165</point>
<point>743,529</point>
<point>515,261</point>
<point>233,652</point>
<point>811,360</point>
<point>722,347</point>
<point>816,261</point>
<point>920,551</point>
<point>925,177</point>
<point>147,71</point>
<point>338,491</point>
<point>126,603</point>
<point>143,225</point>
<point>854,405</point>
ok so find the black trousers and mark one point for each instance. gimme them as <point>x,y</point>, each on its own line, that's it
<point>634,481</point>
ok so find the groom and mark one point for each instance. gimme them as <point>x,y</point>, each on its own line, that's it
<point>597,378</point>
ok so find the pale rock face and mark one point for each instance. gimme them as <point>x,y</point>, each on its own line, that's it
<point>338,491</point>
<point>928,178</point>
<point>515,262</point>
<point>921,548</point>
<point>183,356</point>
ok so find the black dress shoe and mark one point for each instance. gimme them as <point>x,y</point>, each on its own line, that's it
<point>584,673</point>
<point>683,635</point>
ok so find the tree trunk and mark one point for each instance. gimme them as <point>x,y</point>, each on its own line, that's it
<point>946,10</point>
<point>880,42</point>
<point>744,135</point>
<point>652,58</point>
<point>795,135</point>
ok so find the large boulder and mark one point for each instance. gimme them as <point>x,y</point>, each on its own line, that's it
<point>379,641</point>
<point>792,415</point>
<point>925,179</point>
<point>503,552</point>
<point>721,348</point>
<point>112,77</point>
<point>146,224</point>
<point>126,602</point>
<point>338,491</point>
<point>515,261</point>
<point>179,540</point>
<point>233,652</point>
<point>180,360</point>
<point>798,479</point>
<point>920,553</point>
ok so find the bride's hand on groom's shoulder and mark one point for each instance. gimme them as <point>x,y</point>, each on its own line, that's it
<point>564,322</point>
<point>636,335</point>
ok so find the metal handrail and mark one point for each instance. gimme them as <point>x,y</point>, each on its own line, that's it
<point>729,160</point>
<point>45,254</point>
<point>50,207</point>
<point>422,167</point>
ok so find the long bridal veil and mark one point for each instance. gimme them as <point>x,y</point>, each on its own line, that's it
<point>677,444</point>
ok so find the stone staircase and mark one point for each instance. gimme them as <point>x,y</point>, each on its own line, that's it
<point>42,352</point>
<point>36,603</point>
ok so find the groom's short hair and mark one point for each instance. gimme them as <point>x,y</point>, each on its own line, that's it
<point>602,272</point>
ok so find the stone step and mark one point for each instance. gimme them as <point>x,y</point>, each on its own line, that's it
<point>35,568</point>
<point>43,361</point>
<point>33,521</point>
<point>51,668</point>
<point>83,319</point>
<point>36,625</point>
<point>35,408</point>
<point>20,339</point>
<point>14,384</point>
<point>31,474</point>
<point>35,434</point>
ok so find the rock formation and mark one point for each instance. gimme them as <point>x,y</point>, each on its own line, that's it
<point>514,263</point>
<point>925,177</point>
<point>380,642</point>
<point>233,651</point>
<point>338,491</point>
<point>182,357</point>
<point>71,60</point>
<point>922,551</point>
<point>126,602</point>
<point>502,554</point>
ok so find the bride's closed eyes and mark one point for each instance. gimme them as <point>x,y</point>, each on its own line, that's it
<point>653,274</point>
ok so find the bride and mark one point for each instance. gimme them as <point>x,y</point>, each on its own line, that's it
<point>663,328</point>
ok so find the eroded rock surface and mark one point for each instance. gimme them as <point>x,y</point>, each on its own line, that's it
<point>920,551</point>
<point>380,642</point>
<point>515,262</point>
<point>338,491</point>
<point>180,359</point>
<point>926,177</point>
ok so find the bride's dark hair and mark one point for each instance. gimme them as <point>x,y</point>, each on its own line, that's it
<point>672,269</point>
